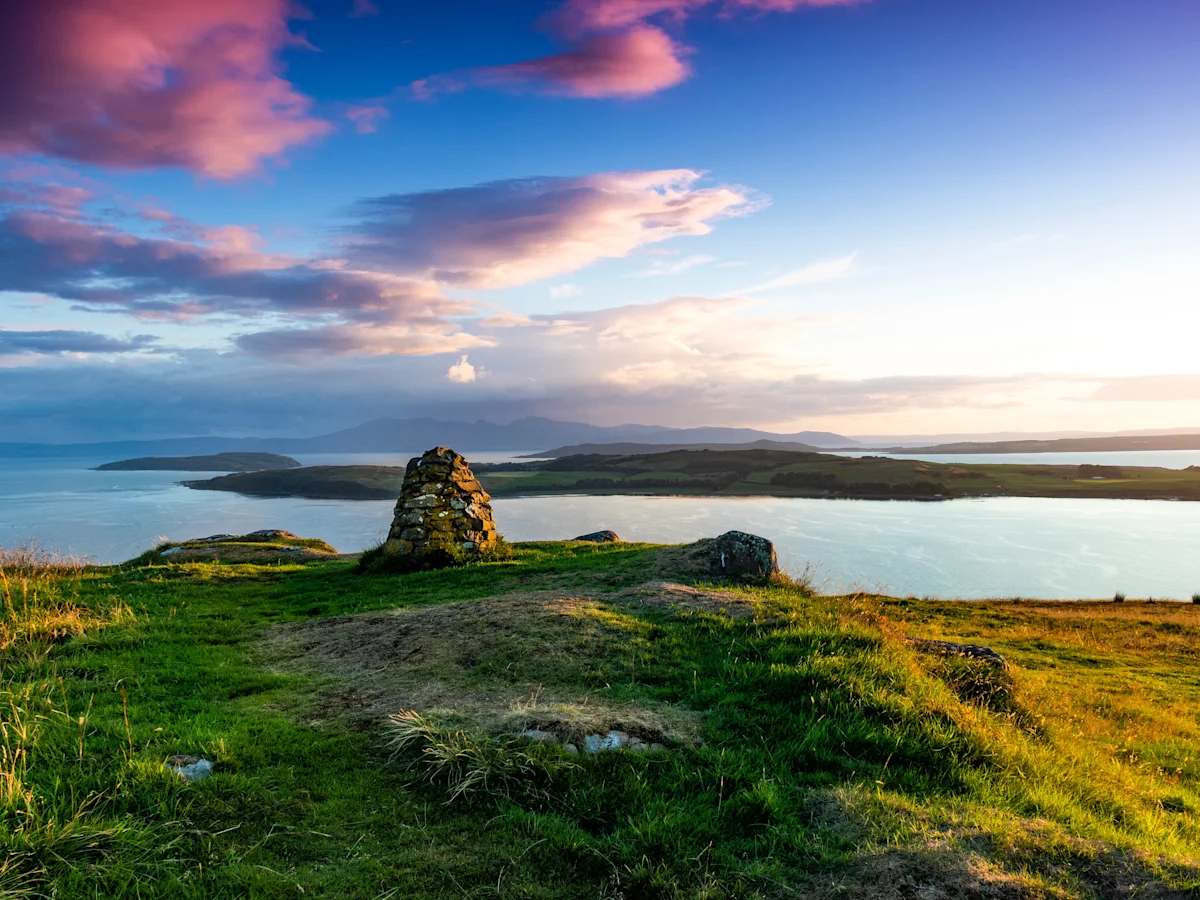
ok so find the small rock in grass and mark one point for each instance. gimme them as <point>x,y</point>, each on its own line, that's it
<point>600,537</point>
<point>949,648</point>
<point>193,768</point>
<point>614,740</point>
<point>571,748</point>
<point>171,552</point>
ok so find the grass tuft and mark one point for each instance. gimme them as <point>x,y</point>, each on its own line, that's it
<point>465,762</point>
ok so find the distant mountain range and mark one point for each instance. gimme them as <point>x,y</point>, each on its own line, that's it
<point>534,435</point>
<point>416,435</point>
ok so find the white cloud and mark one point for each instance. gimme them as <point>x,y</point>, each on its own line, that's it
<point>462,372</point>
<point>814,273</point>
<point>659,267</point>
<point>564,291</point>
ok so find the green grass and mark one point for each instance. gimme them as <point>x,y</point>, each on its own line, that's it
<point>809,749</point>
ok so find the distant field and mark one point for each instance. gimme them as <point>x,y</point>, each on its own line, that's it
<point>769,473</point>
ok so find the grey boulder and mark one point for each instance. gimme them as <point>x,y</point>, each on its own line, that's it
<point>600,537</point>
<point>743,557</point>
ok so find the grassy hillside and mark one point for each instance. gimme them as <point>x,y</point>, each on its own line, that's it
<point>315,482</point>
<point>808,749</point>
<point>771,473</point>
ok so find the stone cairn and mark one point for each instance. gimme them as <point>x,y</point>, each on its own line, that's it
<point>443,513</point>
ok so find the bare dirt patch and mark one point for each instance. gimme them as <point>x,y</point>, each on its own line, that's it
<point>681,597</point>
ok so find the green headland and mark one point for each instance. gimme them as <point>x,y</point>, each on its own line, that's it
<point>365,734</point>
<point>216,462</point>
<point>769,473</point>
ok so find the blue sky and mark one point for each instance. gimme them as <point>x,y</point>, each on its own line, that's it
<point>885,216</point>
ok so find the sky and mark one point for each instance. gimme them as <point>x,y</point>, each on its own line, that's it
<point>256,217</point>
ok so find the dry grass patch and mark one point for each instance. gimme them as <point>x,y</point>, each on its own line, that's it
<point>683,598</point>
<point>39,599</point>
<point>507,663</point>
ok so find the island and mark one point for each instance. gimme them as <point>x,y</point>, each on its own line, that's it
<point>216,462</point>
<point>1114,444</point>
<point>749,473</point>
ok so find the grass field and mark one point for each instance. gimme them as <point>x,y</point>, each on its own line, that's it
<point>742,473</point>
<point>810,750</point>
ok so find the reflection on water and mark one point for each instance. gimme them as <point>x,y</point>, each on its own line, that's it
<point>964,548</point>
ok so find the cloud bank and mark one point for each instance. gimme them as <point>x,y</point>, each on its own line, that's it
<point>382,290</point>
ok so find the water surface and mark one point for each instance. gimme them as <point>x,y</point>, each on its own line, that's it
<point>994,547</point>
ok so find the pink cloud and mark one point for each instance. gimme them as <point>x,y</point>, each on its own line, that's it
<point>302,344</point>
<point>510,233</point>
<point>631,63</point>
<point>613,49</point>
<point>143,83</point>
<point>220,272</point>
<point>577,17</point>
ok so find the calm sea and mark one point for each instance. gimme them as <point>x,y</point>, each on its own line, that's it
<point>998,547</point>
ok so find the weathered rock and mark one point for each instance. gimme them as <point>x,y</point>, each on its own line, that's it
<point>443,513</point>
<point>268,534</point>
<point>616,740</point>
<point>734,556</point>
<point>600,537</point>
<point>737,556</point>
<point>949,648</point>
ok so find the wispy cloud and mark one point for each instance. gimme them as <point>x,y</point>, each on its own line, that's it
<point>660,267</point>
<point>60,341</point>
<point>814,273</point>
<point>366,119</point>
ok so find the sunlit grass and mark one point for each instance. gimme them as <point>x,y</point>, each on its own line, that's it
<point>810,749</point>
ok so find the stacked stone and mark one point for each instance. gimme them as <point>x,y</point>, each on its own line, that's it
<point>442,509</point>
